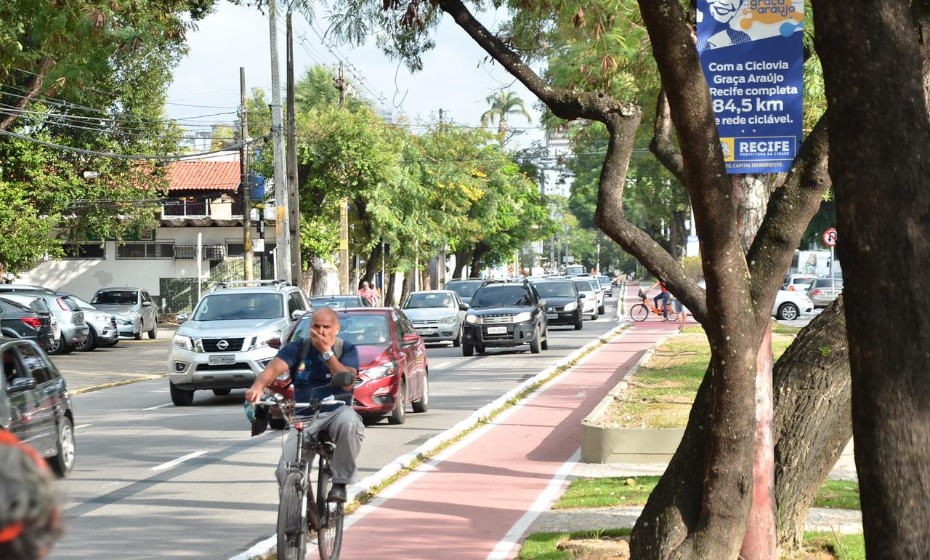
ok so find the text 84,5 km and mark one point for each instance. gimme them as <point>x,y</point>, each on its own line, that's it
<point>747,105</point>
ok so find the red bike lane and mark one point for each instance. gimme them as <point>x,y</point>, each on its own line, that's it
<point>476,499</point>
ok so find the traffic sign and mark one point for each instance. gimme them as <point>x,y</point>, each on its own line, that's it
<point>829,237</point>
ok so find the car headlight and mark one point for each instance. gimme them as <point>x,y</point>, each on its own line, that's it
<point>383,370</point>
<point>571,306</point>
<point>522,317</point>
<point>450,320</point>
<point>262,339</point>
<point>472,320</point>
<point>182,342</point>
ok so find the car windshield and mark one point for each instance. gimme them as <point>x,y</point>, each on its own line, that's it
<point>464,289</point>
<point>418,301</point>
<point>336,302</point>
<point>556,289</point>
<point>505,296</point>
<point>116,297</point>
<point>233,307</point>
<point>583,285</point>
<point>363,328</point>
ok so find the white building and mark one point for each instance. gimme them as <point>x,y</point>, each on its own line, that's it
<point>202,217</point>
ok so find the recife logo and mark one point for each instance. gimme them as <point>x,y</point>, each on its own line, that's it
<point>764,148</point>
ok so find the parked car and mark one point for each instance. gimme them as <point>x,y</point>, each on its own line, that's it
<point>437,316</point>
<point>134,309</point>
<point>823,291</point>
<point>24,288</point>
<point>505,315</point>
<point>73,328</point>
<point>564,303</point>
<point>26,319</point>
<point>102,326</point>
<point>393,368</point>
<point>339,301</point>
<point>585,286</point>
<point>791,305</point>
<point>606,284</point>
<point>232,334</point>
<point>35,404</point>
<point>798,282</point>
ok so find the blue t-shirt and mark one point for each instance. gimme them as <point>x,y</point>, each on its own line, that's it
<point>312,381</point>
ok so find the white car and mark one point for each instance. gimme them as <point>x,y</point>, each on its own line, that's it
<point>791,305</point>
<point>590,302</point>
<point>437,315</point>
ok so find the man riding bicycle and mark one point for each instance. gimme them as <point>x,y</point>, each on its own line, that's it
<point>311,379</point>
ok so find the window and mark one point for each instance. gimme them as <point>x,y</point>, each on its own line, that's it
<point>295,303</point>
<point>145,250</point>
<point>36,364</point>
<point>83,251</point>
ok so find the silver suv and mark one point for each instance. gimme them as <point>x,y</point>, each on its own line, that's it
<point>232,334</point>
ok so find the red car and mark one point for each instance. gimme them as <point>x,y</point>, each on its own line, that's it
<point>393,371</point>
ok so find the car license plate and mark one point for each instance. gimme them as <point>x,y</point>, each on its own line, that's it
<point>552,315</point>
<point>497,330</point>
<point>222,359</point>
<point>426,331</point>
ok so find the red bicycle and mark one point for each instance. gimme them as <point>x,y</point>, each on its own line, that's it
<point>641,311</point>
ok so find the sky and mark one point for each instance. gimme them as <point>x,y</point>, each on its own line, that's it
<point>455,77</point>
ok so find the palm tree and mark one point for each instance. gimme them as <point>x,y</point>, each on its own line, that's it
<point>503,103</point>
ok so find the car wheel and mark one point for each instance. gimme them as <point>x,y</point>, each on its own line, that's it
<point>90,343</point>
<point>579,322</point>
<point>137,334</point>
<point>221,392</point>
<point>545,341</point>
<point>181,397</point>
<point>534,344</point>
<point>370,420</point>
<point>153,334</point>
<point>457,341</point>
<point>399,414</point>
<point>63,461</point>
<point>788,312</point>
<point>60,347</point>
<point>468,350</point>
<point>600,310</point>
<point>422,405</point>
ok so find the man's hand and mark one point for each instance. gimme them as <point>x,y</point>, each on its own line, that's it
<point>322,341</point>
<point>253,395</point>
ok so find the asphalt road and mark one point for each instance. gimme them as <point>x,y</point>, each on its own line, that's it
<point>153,480</point>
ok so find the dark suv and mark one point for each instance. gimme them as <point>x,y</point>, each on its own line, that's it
<point>505,315</point>
<point>563,301</point>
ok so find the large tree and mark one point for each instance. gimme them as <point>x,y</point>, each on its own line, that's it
<point>701,507</point>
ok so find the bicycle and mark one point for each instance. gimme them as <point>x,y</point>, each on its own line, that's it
<point>300,513</point>
<point>641,311</point>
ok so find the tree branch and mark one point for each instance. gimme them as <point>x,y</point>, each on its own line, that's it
<point>662,145</point>
<point>32,91</point>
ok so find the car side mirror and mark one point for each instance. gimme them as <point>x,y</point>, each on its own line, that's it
<point>342,379</point>
<point>297,314</point>
<point>542,301</point>
<point>181,317</point>
<point>146,304</point>
<point>581,296</point>
<point>410,338</point>
<point>463,307</point>
<point>21,384</point>
<point>274,342</point>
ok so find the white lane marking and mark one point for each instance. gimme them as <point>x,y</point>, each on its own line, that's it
<point>441,365</point>
<point>82,426</point>
<point>178,461</point>
<point>542,504</point>
<point>157,407</point>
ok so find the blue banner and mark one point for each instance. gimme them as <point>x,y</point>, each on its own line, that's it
<point>753,60</point>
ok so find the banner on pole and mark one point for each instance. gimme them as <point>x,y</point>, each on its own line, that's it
<point>753,59</point>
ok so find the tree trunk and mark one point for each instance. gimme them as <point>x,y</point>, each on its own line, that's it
<point>461,260</point>
<point>373,263</point>
<point>879,138</point>
<point>812,421</point>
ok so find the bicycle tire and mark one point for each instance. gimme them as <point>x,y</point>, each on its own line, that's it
<point>292,526</point>
<point>672,316</point>
<point>639,312</point>
<point>329,537</point>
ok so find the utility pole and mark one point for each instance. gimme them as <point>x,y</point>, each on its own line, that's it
<point>282,231</point>
<point>293,197</point>
<point>246,186</point>
<point>340,84</point>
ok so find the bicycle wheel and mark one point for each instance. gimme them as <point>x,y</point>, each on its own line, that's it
<point>672,316</point>
<point>639,312</point>
<point>292,525</point>
<point>329,537</point>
